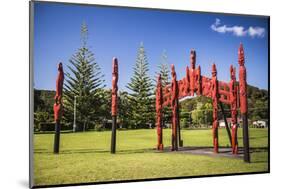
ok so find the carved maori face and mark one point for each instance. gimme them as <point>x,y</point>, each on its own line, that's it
<point>214,70</point>
<point>192,58</point>
<point>241,58</point>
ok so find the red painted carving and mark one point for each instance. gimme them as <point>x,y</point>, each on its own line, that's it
<point>192,73</point>
<point>183,88</point>
<point>219,91</point>
<point>167,96</point>
<point>224,93</point>
<point>198,80</point>
<point>159,102</point>
<point>214,88</point>
<point>242,81</point>
<point>175,108</point>
<point>206,86</point>
<point>187,82</point>
<point>58,107</point>
<point>233,107</point>
<point>57,111</point>
<point>114,87</point>
<point>59,83</point>
<point>195,81</point>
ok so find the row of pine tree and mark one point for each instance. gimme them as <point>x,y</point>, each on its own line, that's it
<point>85,82</point>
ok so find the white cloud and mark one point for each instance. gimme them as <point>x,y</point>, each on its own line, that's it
<point>256,31</point>
<point>218,21</point>
<point>238,31</point>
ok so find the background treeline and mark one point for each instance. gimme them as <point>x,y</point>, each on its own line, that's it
<point>195,112</point>
<point>84,84</point>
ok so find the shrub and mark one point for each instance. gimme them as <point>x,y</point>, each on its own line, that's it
<point>40,117</point>
<point>48,126</point>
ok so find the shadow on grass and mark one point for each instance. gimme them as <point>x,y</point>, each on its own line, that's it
<point>253,137</point>
<point>198,150</point>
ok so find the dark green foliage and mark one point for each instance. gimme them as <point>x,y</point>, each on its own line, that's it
<point>49,126</point>
<point>196,112</point>
<point>190,104</point>
<point>124,110</point>
<point>257,103</point>
<point>85,81</point>
<point>44,101</point>
<point>40,117</point>
<point>141,93</point>
<point>43,107</point>
<point>184,123</point>
<point>202,115</point>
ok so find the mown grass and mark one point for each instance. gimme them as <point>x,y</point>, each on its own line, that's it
<point>85,157</point>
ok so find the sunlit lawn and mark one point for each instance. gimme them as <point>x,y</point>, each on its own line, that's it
<point>85,157</point>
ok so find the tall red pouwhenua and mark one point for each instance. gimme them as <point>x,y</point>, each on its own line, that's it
<point>243,101</point>
<point>58,107</point>
<point>159,118</point>
<point>114,101</point>
<point>175,109</point>
<point>233,109</point>
<point>214,88</point>
<point>192,72</point>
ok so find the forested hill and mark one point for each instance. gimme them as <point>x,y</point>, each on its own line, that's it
<point>257,97</point>
<point>257,104</point>
<point>196,110</point>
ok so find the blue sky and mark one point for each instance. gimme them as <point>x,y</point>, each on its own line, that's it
<point>119,31</point>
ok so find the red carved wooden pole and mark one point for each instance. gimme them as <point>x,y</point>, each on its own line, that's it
<point>187,82</point>
<point>159,118</point>
<point>192,72</point>
<point>243,101</point>
<point>215,108</point>
<point>198,81</point>
<point>175,107</point>
<point>58,107</point>
<point>233,107</point>
<point>114,98</point>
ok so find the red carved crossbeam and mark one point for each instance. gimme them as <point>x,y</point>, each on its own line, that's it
<point>219,91</point>
<point>224,92</point>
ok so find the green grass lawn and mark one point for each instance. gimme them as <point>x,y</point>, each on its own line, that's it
<point>85,157</point>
